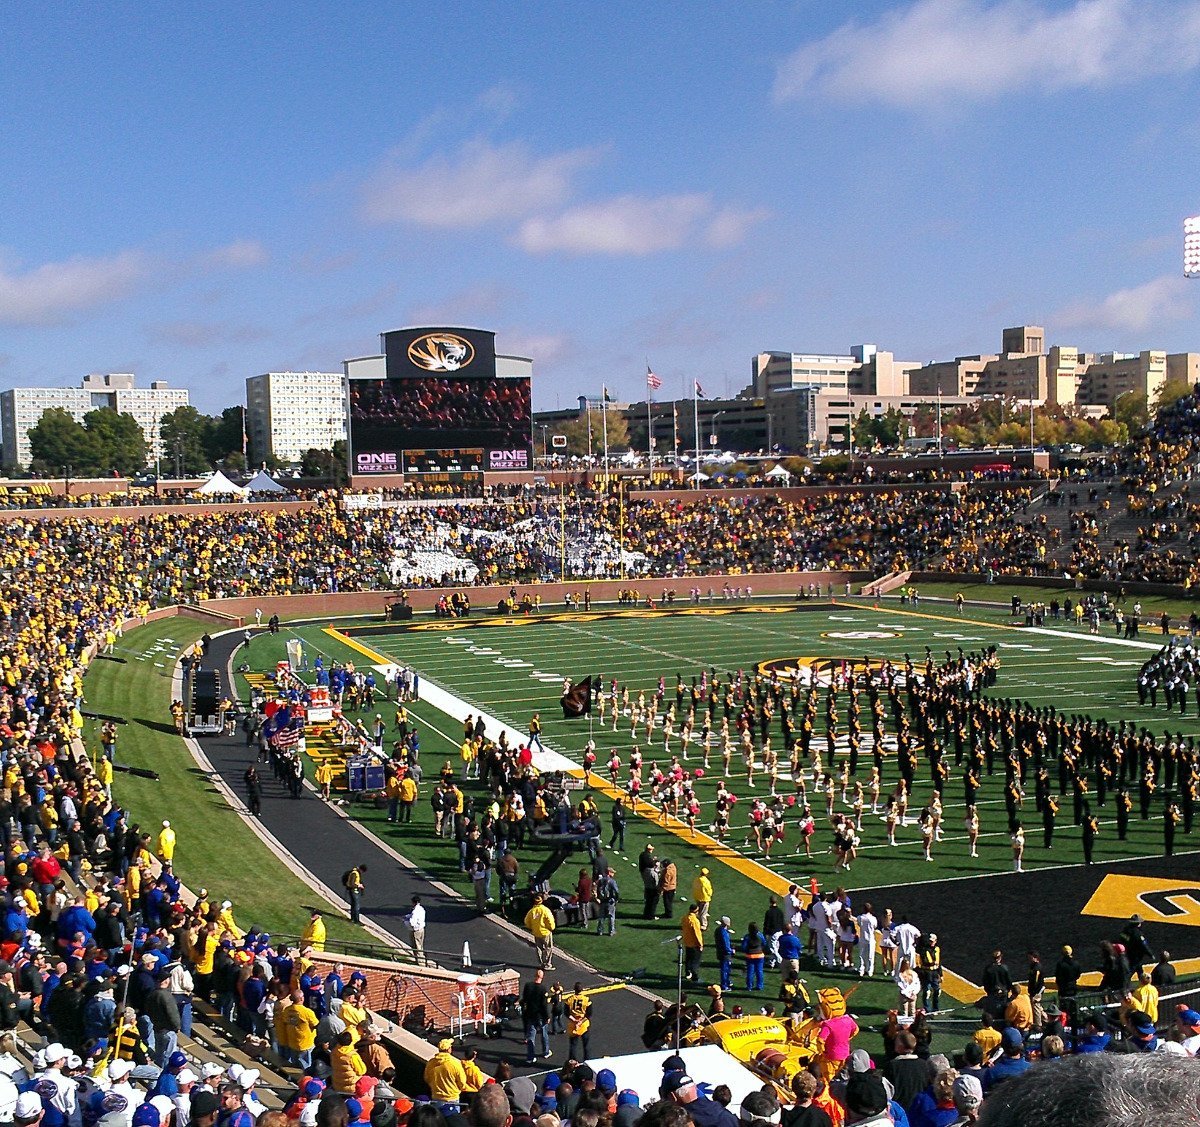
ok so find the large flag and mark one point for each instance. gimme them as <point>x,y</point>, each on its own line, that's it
<point>699,390</point>
<point>652,381</point>
<point>577,700</point>
<point>605,397</point>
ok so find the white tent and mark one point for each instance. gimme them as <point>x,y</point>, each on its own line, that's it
<point>263,482</point>
<point>776,470</point>
<point>699,475</point>
<point>220,485</point>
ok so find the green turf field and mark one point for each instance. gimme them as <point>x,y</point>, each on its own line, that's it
<point>510,668</point>
<point>215,849</point>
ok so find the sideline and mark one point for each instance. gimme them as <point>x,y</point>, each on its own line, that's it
<point>378,842</point>
<point>260,831</point>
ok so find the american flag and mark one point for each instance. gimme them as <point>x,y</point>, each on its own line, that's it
<point>652,381</point>
<point>699,390</point>
<point>287,737</point>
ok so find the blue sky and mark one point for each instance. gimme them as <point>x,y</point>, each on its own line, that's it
<point>201,195</point>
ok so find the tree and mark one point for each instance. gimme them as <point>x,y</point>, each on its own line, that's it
<point>223,436</point>
<point>58,441</point>
<point>182,433</point>
<point>328,464</point>
<point>576,432</point>
<point>1131,409</point>
<point>1170,392</point>
<point>120,443</point>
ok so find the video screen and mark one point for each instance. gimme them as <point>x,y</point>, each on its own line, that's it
<point>439,412</point>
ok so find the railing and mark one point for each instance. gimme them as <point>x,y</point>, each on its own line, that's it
<point>365,949</point>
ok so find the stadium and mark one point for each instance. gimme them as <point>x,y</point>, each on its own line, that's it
<point>936,706</point>
<point>493,727</point>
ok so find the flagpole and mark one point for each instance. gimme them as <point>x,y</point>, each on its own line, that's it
<point>604,426</point>
<point>696,427</point>
<point>588,403</point>
<point>650,431</point>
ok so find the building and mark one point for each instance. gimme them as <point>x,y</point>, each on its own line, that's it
<point>288,413</point>
<point>22,407</point>
<point>865,370</point>
<point>1113,374</point>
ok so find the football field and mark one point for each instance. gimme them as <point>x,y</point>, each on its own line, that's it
<point>508,668</point>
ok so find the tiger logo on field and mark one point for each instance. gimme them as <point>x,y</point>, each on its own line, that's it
<point>441,352</point>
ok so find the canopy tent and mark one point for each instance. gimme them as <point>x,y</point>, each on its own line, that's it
<point>777,470</point>
<point>220,485</point>
<point>699,475</point>
<point>263,482</point>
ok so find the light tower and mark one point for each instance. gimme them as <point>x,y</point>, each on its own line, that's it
<point>1191,247</point>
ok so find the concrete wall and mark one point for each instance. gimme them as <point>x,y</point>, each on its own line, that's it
<point>135,512</point>
<point>484,599</point>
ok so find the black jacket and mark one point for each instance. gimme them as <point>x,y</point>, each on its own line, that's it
<point>535,1006</point>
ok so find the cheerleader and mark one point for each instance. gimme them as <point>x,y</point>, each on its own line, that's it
<point>624,702</point>
<point>668,731</point>
<point>807,827</point>
<point>887,941</point>
<point>830,795</point>
<point>693,812</point>
<point>767,833</point>
<point>902,804</point>
<point>844,776</point>
<point>927,832</point>
<point>635,721</point>
<point>890,819</point>
<point>875,788</point>
<point>685,737</point>
<point>706,738</point>
<point>589,760</point>
<point>601,706</point>
<point>936,813</point>
<point>1018,847</point>
<point>720,826</point>
<point>748,756</point>
<point>635,762</point>
<point>857,806</point>
<point>814,763</point>
<point>726,748</point>
<point>614,768</point>
<point>656,782</point>
<point>794,764</point>
<point>972,823</point>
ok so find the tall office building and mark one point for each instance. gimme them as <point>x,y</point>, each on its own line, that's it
<point>290,412</point>
<point>22,407</point>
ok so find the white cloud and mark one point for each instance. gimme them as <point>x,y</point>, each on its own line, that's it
<point>240,255</point>
<point>48,293</point>
<point>1137,309</point>
<point>635,225</point>
<point>479,184</point>
<point>936,51</point>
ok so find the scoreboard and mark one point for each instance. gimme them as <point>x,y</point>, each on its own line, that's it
<point>442,407</point>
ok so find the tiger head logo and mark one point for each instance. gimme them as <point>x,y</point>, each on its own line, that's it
<point>441,352</point>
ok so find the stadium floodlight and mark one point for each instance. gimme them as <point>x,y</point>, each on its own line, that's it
<point>1191,247</point>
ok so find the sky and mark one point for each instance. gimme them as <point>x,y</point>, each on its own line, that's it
<point>200,193</point>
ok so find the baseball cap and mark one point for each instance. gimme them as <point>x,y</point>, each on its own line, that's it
<point>865,1093</point>
<point>29,1106</point>
<point>967,1092</point>
<point>354,1108</point>
<point>119,1069</point>
<point>55,1051</point>
<point>628,1097</point>
<point>203,1103</point>
<point>210,1069</point>
<point>312,1089</point>
<point>1189,1018</point>
<point>674,1063</point>
<point>186,1076</point>
<point>177,1060</point>
<point>552,1081</point>
<point>1142,1023</point>
<point>146,1116</point>
<point>606,1080</point>
<point>673,1081</point>
<point>1011,1038</point>
<point>860,1061</point>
